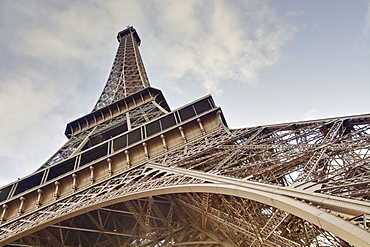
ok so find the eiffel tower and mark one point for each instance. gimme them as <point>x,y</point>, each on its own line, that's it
<point>136,173</point>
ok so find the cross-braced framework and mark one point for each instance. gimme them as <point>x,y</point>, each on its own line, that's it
<point>128,74</point>
<point>134,173</point>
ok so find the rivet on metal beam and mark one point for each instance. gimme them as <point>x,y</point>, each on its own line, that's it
<point>164,142</point>
<point>56,193</point>
<point>110,166</point>
<point>21,205</point>
<point>92,174</point>
<point>146,150</point>
<point>38,202</point>
<point>5,208</point>
<point>182,134</point>
<point>74,183</point>
<point>127,158</point>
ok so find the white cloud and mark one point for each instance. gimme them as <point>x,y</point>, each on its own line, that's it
<point>219,44</point>
<point>26,112</point>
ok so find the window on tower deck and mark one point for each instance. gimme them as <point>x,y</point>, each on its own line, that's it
<point>186,113</point>
<point>134,136</point>
<point>168,121</point>
<point>202,106</point>
<point>153,128</point>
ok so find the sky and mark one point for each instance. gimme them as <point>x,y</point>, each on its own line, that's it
<point>264,62</point>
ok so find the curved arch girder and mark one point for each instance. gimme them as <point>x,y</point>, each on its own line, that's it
<point>322,219</point>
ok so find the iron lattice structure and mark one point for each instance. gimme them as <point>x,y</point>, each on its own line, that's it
<point>135,173</point>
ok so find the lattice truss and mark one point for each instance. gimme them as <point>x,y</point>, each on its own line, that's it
<point>196,219</point>
<point>323,157</point>
<point>93,136</point>
<point>127,75</point>
<point>332,155</point>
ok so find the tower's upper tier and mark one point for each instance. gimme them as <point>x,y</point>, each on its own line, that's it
<point>128,75</point>
<point>128,31</point>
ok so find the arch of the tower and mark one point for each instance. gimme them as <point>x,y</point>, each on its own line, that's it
<point>198,214</point>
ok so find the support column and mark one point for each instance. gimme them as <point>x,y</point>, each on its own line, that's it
<point>5,209</point>
<point>164,142</point>
<point>182,134</point>
<point>201,126</point>
<point>110,171</point>
<point>21,205</point>
<point>74,183</point>
<point>128,158</point>
<point>146,150</point>
<point>38,202</point>
<point>56,193</point>
<point>92,174</point>
<point>202,129</point>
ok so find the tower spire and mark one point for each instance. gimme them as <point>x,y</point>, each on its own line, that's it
<point>128,74</point>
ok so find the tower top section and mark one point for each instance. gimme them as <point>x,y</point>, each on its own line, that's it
<point>128,75</point>
<point>129,30</point>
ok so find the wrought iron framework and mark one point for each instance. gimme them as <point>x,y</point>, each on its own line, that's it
<point>128,73</point>
<point>135,173</point>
